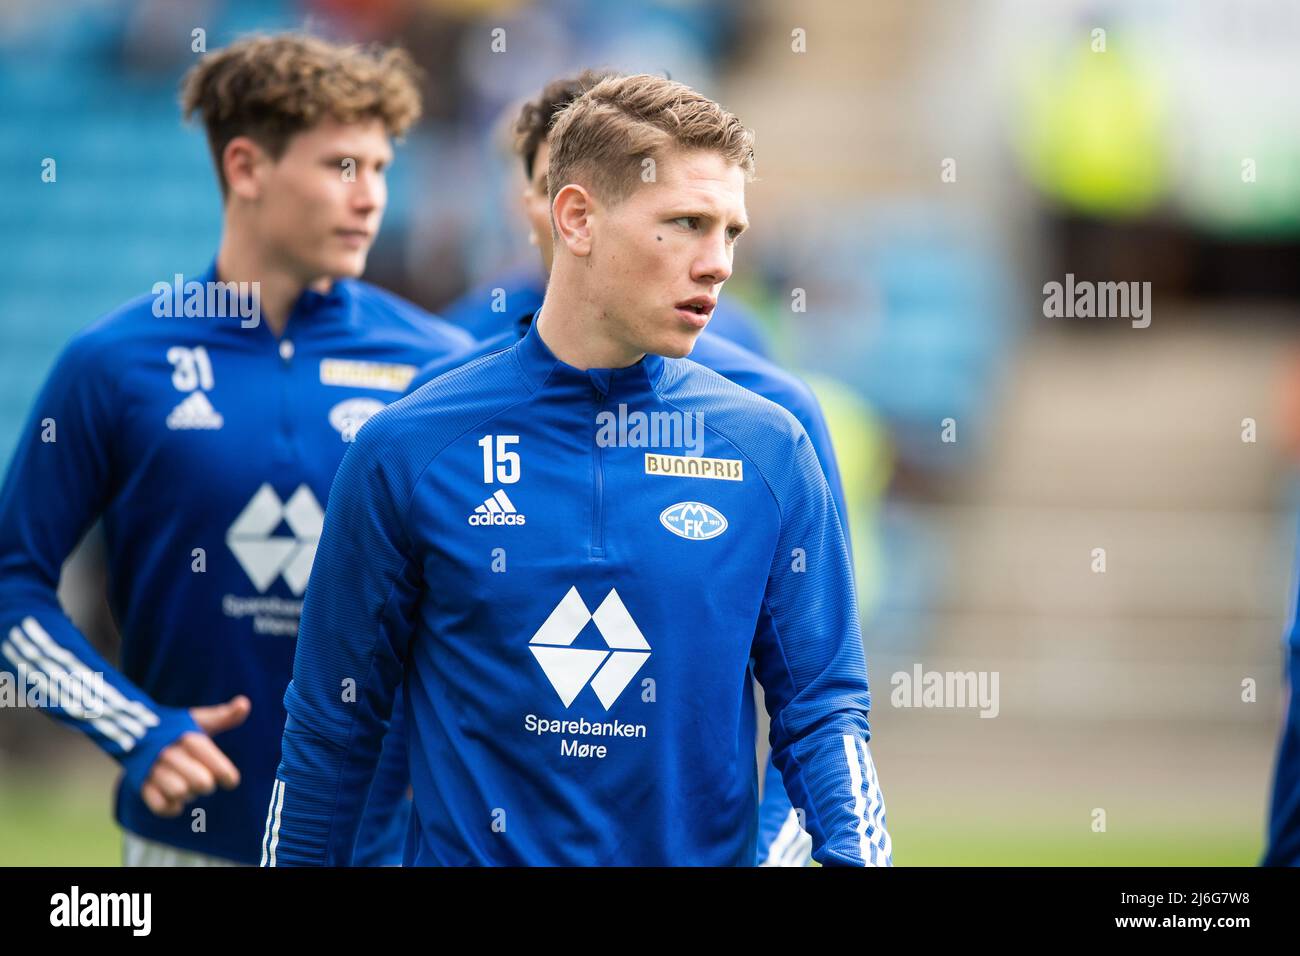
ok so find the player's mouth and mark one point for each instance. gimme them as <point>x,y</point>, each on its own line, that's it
<point>697,311</point>
<point>354,238</point>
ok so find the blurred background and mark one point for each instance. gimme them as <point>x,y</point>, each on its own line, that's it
<point>924,169</point>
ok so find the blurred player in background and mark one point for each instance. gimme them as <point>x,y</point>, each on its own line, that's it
<point>204,424</point>
<point>782,840</point>
<point>410,587</point>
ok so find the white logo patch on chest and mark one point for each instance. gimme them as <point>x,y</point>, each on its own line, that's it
<point>194,412</point>
<point>569,668</point>
<point>265,557</point>
<point>349,415</point>
<point>693,520</point>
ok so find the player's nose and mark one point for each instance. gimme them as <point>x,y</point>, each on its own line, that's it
<point>713,264</point>
<point>367,194</point>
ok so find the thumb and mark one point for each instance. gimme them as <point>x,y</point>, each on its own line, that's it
<point>221,717</point>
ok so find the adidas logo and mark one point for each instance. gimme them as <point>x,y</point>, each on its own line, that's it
<point>264,557</point>
<point>497,510</point>
<point>194,412</point>
<point>570,669</point>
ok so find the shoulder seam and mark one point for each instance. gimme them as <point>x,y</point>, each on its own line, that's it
<point>111,382</point>
<point>731,441</point>
<point>477,423</point>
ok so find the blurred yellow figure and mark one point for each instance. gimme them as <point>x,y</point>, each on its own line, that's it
<point>866,462</point>
<point>1092,130</point>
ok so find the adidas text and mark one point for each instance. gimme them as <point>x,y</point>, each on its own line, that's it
<point>498,510</point>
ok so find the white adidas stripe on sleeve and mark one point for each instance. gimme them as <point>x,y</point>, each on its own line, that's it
<point>271,838</point>
<point>123,721</point>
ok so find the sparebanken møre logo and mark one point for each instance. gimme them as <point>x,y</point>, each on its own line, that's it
<point>264,556</point>
<point>569,668</point>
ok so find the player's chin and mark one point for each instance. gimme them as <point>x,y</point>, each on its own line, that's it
<point>679,344</point>
<point>346,265</point>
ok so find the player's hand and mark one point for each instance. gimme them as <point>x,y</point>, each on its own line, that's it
<point>194,765</point>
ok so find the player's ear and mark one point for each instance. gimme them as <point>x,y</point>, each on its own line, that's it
<point>571,213</point>
<point>242,160</point>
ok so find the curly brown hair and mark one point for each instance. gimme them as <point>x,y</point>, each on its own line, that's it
<point>603,137</point>
<point>270,87</point>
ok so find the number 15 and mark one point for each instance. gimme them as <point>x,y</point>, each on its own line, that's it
<point>507,462</point>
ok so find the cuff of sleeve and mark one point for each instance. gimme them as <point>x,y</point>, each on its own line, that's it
<point>139,761</point>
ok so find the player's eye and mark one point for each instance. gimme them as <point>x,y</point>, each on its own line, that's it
<point>733,234</point>
<point>691,221</point>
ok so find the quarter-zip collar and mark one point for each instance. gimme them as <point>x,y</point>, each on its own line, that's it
<point>311,311</point>
<point>540,364</point>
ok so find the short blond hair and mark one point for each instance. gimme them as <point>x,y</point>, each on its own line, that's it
<point>270,87</point>
<point>602,138</point>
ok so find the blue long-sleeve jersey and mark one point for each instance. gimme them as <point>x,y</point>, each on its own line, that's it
<point>782,840</point>
<point>773,383</point>
<point>570,609</point>
<point>712,350</point>
<point>208,449</point>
